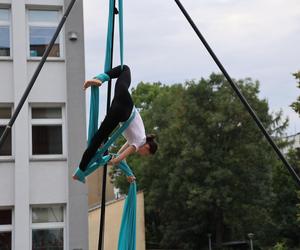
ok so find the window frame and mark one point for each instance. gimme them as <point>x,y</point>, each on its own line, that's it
<point>49,225</point>
<point>48,121</point>
<point>9,24</point>
<point>61,36</point>
<point>4,122</point>
<point>9,228</point>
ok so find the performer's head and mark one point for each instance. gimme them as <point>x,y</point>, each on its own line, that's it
<point>149,147</point>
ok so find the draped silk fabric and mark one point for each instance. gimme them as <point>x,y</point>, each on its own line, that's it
<point>127,235</point>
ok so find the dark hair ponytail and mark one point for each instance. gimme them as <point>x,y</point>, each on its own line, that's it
<point>150,140</point>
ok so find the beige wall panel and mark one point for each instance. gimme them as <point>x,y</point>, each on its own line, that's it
<point>114,212</point>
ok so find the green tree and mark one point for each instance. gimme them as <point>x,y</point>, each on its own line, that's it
<point>284,203</point>
<point>280,246</point>
<point>213,170</point>
<point>296,105</point>
<point>296,153</point>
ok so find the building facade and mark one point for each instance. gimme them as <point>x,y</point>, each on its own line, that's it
<point>114,211</point>
<point>41,207</point>
<point>94,183</point>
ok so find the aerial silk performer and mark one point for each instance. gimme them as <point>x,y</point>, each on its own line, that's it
<point>123,112</point>
<point>122,108</point>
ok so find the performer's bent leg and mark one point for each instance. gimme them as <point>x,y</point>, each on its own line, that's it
<point>119,71</point>
<point>122,97</point>
<point>120,111</point>
<point>107,126</point>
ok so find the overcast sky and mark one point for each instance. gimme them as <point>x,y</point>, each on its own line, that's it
<point>252,38</point>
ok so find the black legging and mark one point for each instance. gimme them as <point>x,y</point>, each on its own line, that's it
<point>119,111</point>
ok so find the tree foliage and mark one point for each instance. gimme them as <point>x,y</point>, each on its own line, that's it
<point>296,104</point>
<point>214,171</point>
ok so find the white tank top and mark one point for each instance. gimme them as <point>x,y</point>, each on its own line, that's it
<point>135,133</point>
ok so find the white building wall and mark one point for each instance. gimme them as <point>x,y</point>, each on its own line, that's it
<point>51,83</point>
<point>28,181</point>
<point>7,184</point>
<point>6,82</point>
<point>21,184</point>
<point>48,182</point>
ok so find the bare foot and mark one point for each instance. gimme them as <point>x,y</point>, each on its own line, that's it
<point>93,82</point>
<point>74,177</point>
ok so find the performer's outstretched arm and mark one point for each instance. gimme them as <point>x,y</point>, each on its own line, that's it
<point>126,145</point>
<point>128,151</point>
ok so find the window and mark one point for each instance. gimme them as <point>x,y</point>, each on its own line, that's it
<point>6,229</point>
<point>4,32</point>
<point>48,227</point>
<point>42,25</point>
<point>47,131</point>
<point>5,115</point>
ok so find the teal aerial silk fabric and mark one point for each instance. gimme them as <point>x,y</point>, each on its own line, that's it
<point>127,235</point>
<point>99,159</point>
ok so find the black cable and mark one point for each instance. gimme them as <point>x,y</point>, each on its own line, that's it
<point>103,201</point>
<point>240,95</point>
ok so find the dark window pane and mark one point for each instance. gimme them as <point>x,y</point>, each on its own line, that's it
<point>5,217</point>
<point>39,40</point>
<point>48,214</point>
<point>46,139</point>
<point>47,239</point>
<point>46,113</point>
<point>5,112</point>
<point>5,240</point>
<point>5,150</point>
<point>4,41</point>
